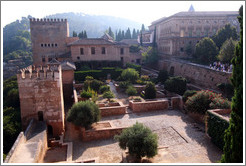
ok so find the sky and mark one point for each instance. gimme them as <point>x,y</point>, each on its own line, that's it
<point>143,12</point>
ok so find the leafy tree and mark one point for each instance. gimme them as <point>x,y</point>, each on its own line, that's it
<point>108,94</point>
<point>128,34</point>
<point>93,84</point>
<point>176,85</point>
<point>150,56</point>
<point>227,51</point>
<point>162,76</point>
<point>84,113</point>
<point>131,91</point>
<point>225,33</point>
<point>150,91</point>
<point>139,140</point>
<point>104,88</point>
<point>206,51</point>
<point>233,149</point>
<point>75,34</point>
<point>130,74</point>
<point>189,49</point>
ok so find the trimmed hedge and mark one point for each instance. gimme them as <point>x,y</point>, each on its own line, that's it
<point>134,66</point>
<point>216,129</point>
<point>98,74</point>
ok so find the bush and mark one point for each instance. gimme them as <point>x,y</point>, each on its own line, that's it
<point>134,66</point>
<point>81,75</point>
<point>93,84</point>
<point>124,84</point>
<point>130,75</point>
<point>139,140</point>
<point>137,99</point>
<point>104,88</point>
<point>108,95</point>
<point>84,113</point>
<point>131,91</point>
<point>162,76</point>
<point>227,90</point>
<point>204,100</point>
<point>86,94</point>
<point>220,103</point>
<point>176,85</point>
<point>150,91</point>
<point>187,94</point>
<point>145,78</point>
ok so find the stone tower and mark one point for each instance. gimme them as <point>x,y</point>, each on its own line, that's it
<point>41,96</point>
<point>49,39</point>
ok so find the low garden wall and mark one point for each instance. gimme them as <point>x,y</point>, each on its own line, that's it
<point>216,124</point>
<point>90,135</point>
<point>177,103</point>
<point>113,109</point>
<point>148,105</point>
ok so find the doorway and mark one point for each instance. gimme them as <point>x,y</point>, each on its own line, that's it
<point>40,116</point>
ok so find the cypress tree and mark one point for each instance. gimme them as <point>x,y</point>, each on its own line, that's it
<point>128,34</point>
<point>81,35</point>
<point>110,32</point>
<point>85,34</point>
<point>141,38</point>
<point>122,35</point>
<point>143,28</point>
<point>134,34</point>
<point>119,35</point>
<point>233,148</point>
<point>74,34</point>
<point>154,40</point>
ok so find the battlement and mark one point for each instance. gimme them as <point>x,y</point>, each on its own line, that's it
<point>40,72</point>
<point>47,20</point>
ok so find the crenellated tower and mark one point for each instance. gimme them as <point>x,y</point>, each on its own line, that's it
<point>49,40</point>
<point>41,96</point>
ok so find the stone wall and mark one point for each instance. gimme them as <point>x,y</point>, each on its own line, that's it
<point>41,96</point>
<point>91,135</point>
<point>149,105</point>
<point>117,109</point>
<point>196,74</point>
<point>177,103</point>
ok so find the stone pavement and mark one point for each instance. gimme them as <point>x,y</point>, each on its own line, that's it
<point>180,139</point>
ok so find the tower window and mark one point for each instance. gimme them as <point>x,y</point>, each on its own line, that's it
<point>48,45</point>
<point>43,59</point>
<point>52,45</point>
<point>81,51</point>
<point>55,45</point>
<point>42,45</point>
<point>121,51</point>
<point>103,50</point>
<point>181,49</point>
<point>93,50</point>
<point>78,57</point>
<point>45,45</point>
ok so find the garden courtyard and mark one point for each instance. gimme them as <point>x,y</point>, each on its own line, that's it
<point>180,140</point>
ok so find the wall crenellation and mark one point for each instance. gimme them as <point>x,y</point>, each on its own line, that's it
<point>41,72</point>
<point>47,20</point>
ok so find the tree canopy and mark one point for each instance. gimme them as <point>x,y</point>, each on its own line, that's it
<point>227,51</point>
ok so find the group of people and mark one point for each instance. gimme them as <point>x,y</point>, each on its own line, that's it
<point>221,67</point>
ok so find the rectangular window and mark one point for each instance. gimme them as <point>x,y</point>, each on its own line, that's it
<point>81,51</point>
<point>49,59</point>
<point>103,50</point>
<point>43,59</point>
<point>181,49</point>
<point>182,33</point>
<point>42,45</point>
<point>93,50</point>
<point>121,51</point>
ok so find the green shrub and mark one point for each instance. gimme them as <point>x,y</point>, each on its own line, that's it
<point>137,99</point>
<point>130,75</point>
<point>216,129</point>
<point>131,91</point>
<point>162,76</point>
<point>202,101</point>
<point>86,94</point>
<point>108,95</point>
<point>227,89</point>
<point>139,140</point>
<point>104,88</point>
<point>145,77</point>
<point>134,66</point>
<point>150,91</point>
<point>188,93</point>
<point>176,85</point>
<point>124,84</point>
<point>93,84</point>
<point>220,103</point>
<point>84,113</point>
<point>81,75</point>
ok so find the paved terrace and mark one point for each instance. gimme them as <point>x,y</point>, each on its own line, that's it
<point>180,140</point>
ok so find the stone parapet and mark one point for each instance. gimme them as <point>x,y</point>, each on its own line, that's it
<point>149,105</point>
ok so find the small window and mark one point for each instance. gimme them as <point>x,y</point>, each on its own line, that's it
<point>55,45</point>
<point>78,57</point>
<point>42,45</point>
<point>43,59</point>
<point>121,51</point>
<point>81,51</point>
<point>48,45</point>
<point>52,45</point>
<point>103,50</point>
<point>49,59</point>
<point>181,49</point>
<point>45,45</point>
<point>93,50</point>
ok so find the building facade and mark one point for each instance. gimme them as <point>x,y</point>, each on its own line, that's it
<point>175,33</point>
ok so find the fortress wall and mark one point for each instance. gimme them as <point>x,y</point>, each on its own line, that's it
<point>41,96</point>
<point>196,74</point>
